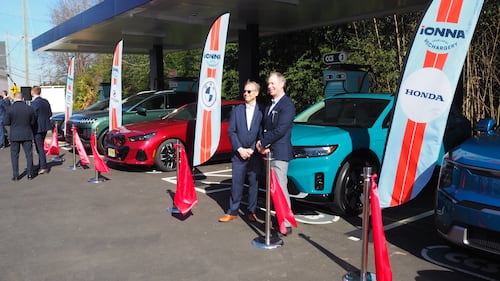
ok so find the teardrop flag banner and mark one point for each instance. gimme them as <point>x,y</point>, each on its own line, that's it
<point>69,93</point>
<point>208,117</point>
<point>425,95</point>
<point>115,94</point>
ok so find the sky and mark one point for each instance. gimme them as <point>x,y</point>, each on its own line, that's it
<point>12,32</point>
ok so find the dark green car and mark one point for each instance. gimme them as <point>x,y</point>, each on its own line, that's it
<point>143,106</point>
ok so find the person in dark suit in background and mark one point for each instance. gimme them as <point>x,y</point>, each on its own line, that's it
<point>244,127</point>
<point>276,134</point>
<point>4,104</point>
<point>21,119</point>
<point>43,112</point>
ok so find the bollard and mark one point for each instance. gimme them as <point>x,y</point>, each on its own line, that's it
<point>74,155</point>
<point>268,242</point>
<point>364,275</point>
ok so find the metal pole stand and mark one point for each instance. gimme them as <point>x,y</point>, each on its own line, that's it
<point>268,242</point>
<point>97,178</point>
<point>363,275</point>
<point>74,155</point>
<point>174,209</point>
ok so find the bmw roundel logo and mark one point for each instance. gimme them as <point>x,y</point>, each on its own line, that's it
<point>209,93</point>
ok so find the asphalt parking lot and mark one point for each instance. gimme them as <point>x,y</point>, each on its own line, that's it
<point>60,226</point>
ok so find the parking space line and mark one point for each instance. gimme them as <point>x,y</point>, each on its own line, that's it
<point>408,220</point>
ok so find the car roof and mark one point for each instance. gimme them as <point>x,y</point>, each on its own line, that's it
<point>387,96</point>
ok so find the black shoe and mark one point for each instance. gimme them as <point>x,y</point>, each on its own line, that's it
<point>14,179</point>
<point>30,177</point>
<point>288,231</point>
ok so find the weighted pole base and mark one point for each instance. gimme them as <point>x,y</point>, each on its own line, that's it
<point>274,242</point>
<point>173,210</point>
<point>97,180</point>
<point>58,159</point>
<point>355,276</point>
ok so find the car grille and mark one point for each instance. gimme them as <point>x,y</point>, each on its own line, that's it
<point>484,239</point>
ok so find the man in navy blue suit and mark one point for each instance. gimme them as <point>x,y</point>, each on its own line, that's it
<point>4,104</point>
<point>276,134</point>
<point>244,127</point>
<point>43,112</point>
<point>21,119</point>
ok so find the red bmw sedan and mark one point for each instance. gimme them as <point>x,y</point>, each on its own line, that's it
<point>151,143</point>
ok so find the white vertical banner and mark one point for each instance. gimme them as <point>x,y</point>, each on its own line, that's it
<point>425,95</point>
<point>68,105</point>
<point>115,94</point>
<point>208,117</point>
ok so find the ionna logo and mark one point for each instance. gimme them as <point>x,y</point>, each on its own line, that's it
<point>424,95</point>
<point>442,32</point>
<point>212,59</point>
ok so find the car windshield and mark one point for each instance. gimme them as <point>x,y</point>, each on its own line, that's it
<point>343,112</point>
<point>100,105</point>
<point>135,99</point>
<point>187,112</point>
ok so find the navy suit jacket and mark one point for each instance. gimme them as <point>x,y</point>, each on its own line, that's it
<point>43,112</point>
<point>21,119</point>
<point>277,129</point>
<point>239,135</point>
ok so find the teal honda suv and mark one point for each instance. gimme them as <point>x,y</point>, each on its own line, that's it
<point>335,138</point>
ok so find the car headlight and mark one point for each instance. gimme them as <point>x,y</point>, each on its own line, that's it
<point>144,137</point>
<point>87,121</point>
<point>313,151</point>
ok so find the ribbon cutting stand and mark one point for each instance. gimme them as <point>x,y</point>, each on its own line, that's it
<point>74,167</point>
<point>268,242</point>
<point>363,275</point>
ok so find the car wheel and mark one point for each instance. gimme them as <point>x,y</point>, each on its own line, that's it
<point>165,158</point>
<point>348,189</point>
<point>100,142</point>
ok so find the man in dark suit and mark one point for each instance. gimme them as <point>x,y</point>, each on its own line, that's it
<point>244,127</point>
<point>4,104</point>
<point>276,134</point>
<point>21,119</point>
<point>43,112</point>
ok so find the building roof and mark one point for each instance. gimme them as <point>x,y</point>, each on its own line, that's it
<point>184,24</point>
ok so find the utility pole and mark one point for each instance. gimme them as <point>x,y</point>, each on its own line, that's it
<point>26,64</point>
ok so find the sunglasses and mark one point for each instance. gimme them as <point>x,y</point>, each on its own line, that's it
<point>247,91</point>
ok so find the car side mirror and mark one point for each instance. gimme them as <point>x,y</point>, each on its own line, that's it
<point>141,111</point>
<point>485,125</point>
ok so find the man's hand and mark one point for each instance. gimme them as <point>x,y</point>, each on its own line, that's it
<point>245,153</point>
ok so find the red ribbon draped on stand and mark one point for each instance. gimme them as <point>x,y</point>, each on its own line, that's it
<point>84,159</point>
<point>185,195</point>
<point>54,145</point>
<point>99,164</point>
<point>382,263</point>
<point>283,210</point>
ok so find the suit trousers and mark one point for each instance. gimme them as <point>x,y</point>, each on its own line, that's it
<point>39,141</point>
<point>241,170</point>
<point>15,147</point>
<point>281,169</point>
<point>3,135</point>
